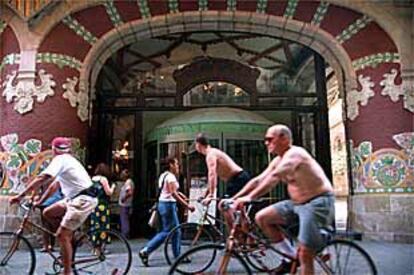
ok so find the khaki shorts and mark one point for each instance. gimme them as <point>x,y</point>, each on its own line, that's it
<point>77,211</point>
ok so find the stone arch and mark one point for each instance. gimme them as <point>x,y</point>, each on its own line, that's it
<point>248,22</point>
<point>216,69</point>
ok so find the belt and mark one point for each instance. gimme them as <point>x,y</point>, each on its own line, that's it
<point>91,192</point>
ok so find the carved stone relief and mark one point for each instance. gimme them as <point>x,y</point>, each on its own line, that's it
<point>76,99</point>
<point>23,92</point>
<point>354,97</point>
<point>395,91</point>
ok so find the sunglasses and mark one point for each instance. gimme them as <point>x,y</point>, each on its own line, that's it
<point>268,139</point>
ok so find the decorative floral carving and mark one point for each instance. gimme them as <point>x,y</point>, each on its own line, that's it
<point>390,89</point>
<point>354,97</point>
<point>395,91</point>
<point>23,92</point>
<point>76,99</point>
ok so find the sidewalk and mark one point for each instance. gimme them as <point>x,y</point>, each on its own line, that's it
<point>390,259</point>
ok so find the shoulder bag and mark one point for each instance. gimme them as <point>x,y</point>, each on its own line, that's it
<point>155,220</point>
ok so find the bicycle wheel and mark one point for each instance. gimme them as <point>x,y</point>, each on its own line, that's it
<point>16,254</point>
<point>342,257</point>
<point>189,235</point>
<point>262,257</point>
<point>113,256</point>
<point>206,259</point>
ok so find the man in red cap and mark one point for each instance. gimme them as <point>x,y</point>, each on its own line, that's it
<point>68,214</point>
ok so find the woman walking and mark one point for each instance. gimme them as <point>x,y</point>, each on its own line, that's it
<point>167,208</point>
<point>100,217</point>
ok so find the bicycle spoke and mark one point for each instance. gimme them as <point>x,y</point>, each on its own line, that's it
<point>209,259</point>
<point>113,255</point>
<point>15,254</point>
<point>344,257</point>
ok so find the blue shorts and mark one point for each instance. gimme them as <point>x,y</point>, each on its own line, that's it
<point>55,197</point>
<point>313,215</point>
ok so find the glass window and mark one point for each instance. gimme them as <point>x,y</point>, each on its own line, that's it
<point>216,94</point>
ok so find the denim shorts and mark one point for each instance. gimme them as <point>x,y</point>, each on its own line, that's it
<point>313,215</point>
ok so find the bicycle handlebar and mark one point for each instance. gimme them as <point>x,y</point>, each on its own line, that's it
<point>27,204</point>
<point>228,202</point>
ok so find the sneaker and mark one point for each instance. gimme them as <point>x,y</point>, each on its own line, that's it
<point>283,268</point>
<point>144,257</point>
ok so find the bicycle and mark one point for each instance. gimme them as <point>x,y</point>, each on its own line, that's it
<point>17,253</point>
<point>339,256</point>
<point>206,230</point>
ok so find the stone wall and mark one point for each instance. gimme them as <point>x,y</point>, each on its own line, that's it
<point>387,217</point>
<point>11,216</point>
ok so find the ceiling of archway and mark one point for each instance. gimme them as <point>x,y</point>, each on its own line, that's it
<point>148,65</point>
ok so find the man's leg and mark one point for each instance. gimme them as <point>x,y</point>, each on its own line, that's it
<point>65,240</point>
<point>46,237</point>
<point>306,256</point>
<point>269,220</point>
<point>53,215</point>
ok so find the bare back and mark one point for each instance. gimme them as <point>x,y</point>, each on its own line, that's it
<point>304,176</point>
<point>225,166</point>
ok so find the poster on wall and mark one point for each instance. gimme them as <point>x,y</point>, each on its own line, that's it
<point>198,187</point>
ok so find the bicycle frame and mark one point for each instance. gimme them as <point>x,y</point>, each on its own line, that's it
<point>233,244</point>
<point>27,222</point>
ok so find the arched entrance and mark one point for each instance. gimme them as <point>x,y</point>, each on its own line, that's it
<point>363,57</point>
<point>284,82</point>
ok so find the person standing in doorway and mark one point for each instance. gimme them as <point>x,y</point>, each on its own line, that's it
<point>126,197</point>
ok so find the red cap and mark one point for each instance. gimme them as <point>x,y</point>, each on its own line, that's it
<point>61,145</point>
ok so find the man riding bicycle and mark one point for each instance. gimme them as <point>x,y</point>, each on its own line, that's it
<point>68,214</point>
<point>311,198</point>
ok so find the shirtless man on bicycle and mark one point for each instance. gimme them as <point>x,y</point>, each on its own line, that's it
<point>311,198</point>
<point>68,214</point>
<point>220,165</point>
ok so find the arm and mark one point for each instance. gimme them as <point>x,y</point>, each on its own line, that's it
<point>212,174</point>
<point>53,187</point>
<point>34,184</point>
<point>129,190</point>
<point>288,163</point>
<point>264,182</point>
<point>105,184</point>
<point>253,183</point>
<point>172,189</point>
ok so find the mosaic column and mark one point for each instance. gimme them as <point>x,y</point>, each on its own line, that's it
<point>381,135</point>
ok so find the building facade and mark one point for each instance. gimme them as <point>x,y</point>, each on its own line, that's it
<point>53,55</point>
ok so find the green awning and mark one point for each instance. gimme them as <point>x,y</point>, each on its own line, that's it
<point>211,121</point>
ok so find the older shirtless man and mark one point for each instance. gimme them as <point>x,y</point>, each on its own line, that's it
<point>220,165</point>
<point>311,197</point>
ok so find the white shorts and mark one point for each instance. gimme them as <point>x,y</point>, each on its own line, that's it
<point>77,211</point>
